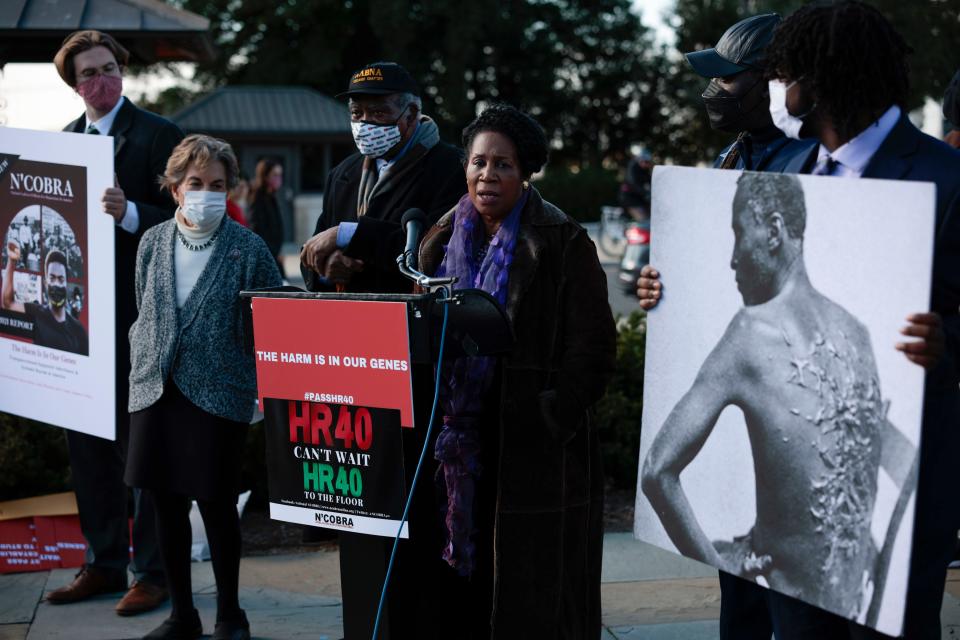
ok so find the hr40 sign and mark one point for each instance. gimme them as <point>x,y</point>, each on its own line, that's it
<point>334,402</point>
<point>335,466</point>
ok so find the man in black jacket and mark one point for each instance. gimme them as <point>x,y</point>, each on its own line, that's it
<point>401,164</point>
<point>842,75</point>
<point>92,63</point>
<point>737,102</point>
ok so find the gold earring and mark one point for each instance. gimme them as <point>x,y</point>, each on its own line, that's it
<point>526,185</point>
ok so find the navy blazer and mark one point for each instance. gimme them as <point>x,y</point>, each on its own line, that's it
<point>909,154</point>
<point>142,143</point>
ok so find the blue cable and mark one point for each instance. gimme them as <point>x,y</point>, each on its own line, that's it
<point>416,474</point>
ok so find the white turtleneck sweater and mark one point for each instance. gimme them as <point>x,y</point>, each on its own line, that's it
<point>187,264</point>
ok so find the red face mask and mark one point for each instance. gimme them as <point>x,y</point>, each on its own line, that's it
<point>275,182</point>
<point>101,92</point>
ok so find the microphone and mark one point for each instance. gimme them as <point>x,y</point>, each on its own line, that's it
<point>413,222</point>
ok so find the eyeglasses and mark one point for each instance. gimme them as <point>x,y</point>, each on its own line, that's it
<point>108,69</point>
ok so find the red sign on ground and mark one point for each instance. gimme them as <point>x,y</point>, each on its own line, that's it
<point>348,352</point>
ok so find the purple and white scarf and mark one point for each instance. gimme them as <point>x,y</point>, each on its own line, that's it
<point>466,381</point>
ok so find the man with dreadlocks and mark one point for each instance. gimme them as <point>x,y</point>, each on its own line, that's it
<point>839,73</point>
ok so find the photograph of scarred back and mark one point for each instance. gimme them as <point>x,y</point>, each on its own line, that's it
<point>781,428</point>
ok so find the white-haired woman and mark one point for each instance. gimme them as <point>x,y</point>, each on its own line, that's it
<point>192,385</point>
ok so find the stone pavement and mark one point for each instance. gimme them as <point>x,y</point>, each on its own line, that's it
<point>648,594</point>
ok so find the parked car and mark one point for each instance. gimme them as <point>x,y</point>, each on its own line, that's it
<point>636,254</point>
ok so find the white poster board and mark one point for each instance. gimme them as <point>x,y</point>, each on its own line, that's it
<point>57,326</point>
<point>772,385</point>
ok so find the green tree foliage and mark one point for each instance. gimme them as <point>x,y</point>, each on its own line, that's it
<point>587,69</point>
<point>619,412</point>
<point>33,458</point>
<point>582,193</point>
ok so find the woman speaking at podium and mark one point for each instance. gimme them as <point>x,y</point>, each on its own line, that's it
<point>192,385</point>
<point>519,461</point>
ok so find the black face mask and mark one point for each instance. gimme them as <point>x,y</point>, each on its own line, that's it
<point>726,111</point>
<point>57,295</point>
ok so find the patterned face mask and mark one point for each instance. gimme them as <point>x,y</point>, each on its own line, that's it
<point>373,139</point>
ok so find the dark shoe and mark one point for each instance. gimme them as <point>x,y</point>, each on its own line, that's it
<point>89,582</point>
<point>238,629</point>
<point>188,628</point>
<point>142,597</point>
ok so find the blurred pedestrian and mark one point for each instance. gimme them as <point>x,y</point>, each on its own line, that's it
<point>237,201</point>
<point>951,111</point>
<point>93,64</point>
<point>264,212</point>
<point>635,188</point>
<point>193,384</point>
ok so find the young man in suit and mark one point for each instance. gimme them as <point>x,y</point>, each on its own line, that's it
<point>839,74</point>
<point>92,63</point>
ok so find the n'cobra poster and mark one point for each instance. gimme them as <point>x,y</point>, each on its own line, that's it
<point>781,426</point>
<point>57,321</point>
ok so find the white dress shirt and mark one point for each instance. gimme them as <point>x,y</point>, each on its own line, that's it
<point>130,221</point>
<point>852,157</point>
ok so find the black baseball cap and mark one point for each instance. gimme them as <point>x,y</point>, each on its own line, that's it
<point>380,78</point>
<point>742,47</point>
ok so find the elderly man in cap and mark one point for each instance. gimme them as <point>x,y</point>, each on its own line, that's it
<point>401,164</point>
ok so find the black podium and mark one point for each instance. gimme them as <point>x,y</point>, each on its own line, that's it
<point>476,325</point>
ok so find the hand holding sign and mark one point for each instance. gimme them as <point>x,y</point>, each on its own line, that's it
<point>114,201</point>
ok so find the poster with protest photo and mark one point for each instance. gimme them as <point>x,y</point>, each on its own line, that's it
<point>56,291</point>
<point>781,428</point>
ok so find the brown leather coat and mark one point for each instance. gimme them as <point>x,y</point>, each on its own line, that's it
<point>548,532</point>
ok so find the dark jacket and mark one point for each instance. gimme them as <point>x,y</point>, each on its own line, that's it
<point>909,154</point>
<point>549,505</point>
<point>143,142</point>
<point>266,221</point>
<point>200,346</point>
<point>434,186</point>
<point>769,151</point>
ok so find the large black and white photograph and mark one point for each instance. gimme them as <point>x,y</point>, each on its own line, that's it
<point>780,431</point>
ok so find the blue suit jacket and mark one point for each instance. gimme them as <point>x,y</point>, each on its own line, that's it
<point>909,154</point>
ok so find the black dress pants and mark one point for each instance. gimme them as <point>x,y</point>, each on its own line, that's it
<point>97,467</point>
<point>743,609</point>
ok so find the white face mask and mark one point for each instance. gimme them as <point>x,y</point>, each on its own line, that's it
<point>783,119</point>
<point>204,208</point>
<point>374,140</point>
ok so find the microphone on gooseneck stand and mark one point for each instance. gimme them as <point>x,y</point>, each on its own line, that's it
<point>413,221</point>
